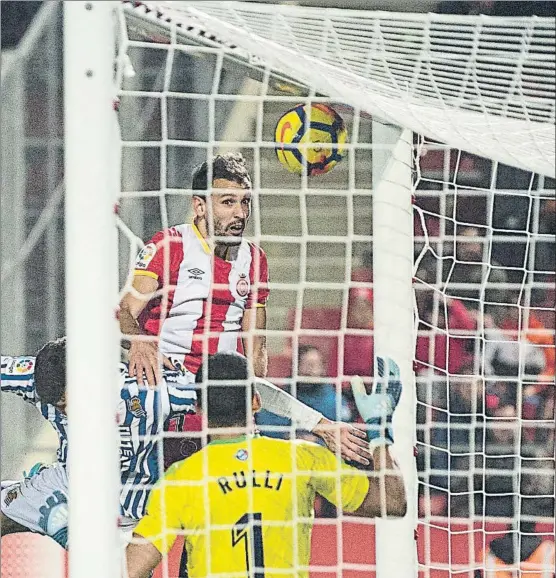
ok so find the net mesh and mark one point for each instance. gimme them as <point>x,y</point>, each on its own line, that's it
<point>443,76</point>
<point>484,246</point>
<point>484,357</point>
<point>31,250</point>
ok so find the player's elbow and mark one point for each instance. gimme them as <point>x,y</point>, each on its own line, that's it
<point>396,508</point>
<point>391,502</point>
<point>396,499</point>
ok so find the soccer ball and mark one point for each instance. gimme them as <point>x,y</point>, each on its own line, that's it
<point>325,127</point>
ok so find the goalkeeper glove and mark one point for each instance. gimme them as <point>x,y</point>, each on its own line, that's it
<point>377,408</point>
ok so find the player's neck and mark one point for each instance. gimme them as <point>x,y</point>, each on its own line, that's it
<point>223,438</point>
<point>232,436</point>
<point>226,252</point>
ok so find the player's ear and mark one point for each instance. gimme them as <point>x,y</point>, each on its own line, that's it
<point>257,402</point>
<point>62,403</point>
<point>199,207</point>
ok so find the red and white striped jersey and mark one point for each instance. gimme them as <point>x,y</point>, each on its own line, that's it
<point>206,296</point>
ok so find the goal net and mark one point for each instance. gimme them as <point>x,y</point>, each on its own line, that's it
<point>216,77</point>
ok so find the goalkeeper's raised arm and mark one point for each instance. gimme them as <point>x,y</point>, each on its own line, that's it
<point>387,491</point>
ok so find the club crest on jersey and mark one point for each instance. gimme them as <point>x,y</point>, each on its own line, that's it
<point>135,407</point>
<point>242,286</point>
<point>145,256</point>
<point>24,365</point>
<point>11,495</point>
<point>242,455</point>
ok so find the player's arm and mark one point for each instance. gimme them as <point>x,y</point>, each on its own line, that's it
<point>156,532</point>
<point>349,440</point>
<point>143,353</point>
<point>132,305</point>
<point>17,376</point>
<point>364,493</point>
<point>381,492</point>
<point>142,558</point>
<point>254,343</point>
<point>386,493</point>
<point>253,324</point>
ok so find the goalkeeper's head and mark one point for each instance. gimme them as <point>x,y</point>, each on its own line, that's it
<point>231,397</point>
<point>50,373</point>
<point>222,198</point>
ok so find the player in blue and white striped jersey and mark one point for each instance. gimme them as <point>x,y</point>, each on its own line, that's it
<point>141,414</point>
<point>17,376</point>
<point>39,503</point>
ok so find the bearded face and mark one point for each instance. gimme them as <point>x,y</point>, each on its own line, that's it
<point>227,211</point>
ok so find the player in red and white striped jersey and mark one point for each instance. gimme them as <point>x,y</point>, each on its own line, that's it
<point>202,285</point>
<point>213,283</point>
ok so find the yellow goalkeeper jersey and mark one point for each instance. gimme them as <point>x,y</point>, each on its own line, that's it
<point>245,505</point>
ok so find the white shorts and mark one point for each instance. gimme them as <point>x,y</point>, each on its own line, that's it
<point>40,503</point>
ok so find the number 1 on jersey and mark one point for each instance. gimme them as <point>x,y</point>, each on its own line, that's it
<point>248,528</point>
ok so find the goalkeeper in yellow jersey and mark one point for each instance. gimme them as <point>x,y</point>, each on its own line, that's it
<point>245,503</point>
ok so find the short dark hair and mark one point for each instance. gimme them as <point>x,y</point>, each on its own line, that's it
<point>230,166</point>
<point>50,371</point>
<point>227,403</point>
<point>304,349</point>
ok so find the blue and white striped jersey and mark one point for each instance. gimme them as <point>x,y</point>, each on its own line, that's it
<point>141,414</point>
<point>17,376</point>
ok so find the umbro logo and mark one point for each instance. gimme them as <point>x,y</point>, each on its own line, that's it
<point>195,273</point>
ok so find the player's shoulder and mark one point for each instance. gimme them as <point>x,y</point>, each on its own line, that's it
<point>267,443</point>
<point>312,454</point>
<point>302,445</point>
<point>18,367</point>
<point>172,238</point>
<point>169,234</point>
<point>305,451</point>
<point>256,250</point>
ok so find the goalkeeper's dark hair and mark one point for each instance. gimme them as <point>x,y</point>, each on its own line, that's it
<point>230,166</point>
<point>50,371</point>
<point>227,401</point>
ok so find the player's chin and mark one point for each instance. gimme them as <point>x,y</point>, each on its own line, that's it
<point>231,238</point>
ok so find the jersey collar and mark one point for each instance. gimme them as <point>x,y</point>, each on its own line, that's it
<point>236,440</point>
<point>202,240</point>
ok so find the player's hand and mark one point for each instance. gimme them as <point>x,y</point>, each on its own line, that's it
<point>350,439</point>
<point>377,408</point>
<point>144,362</point>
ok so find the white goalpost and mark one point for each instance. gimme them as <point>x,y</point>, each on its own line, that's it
<point>91,181</point>
<point>394,338</point>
